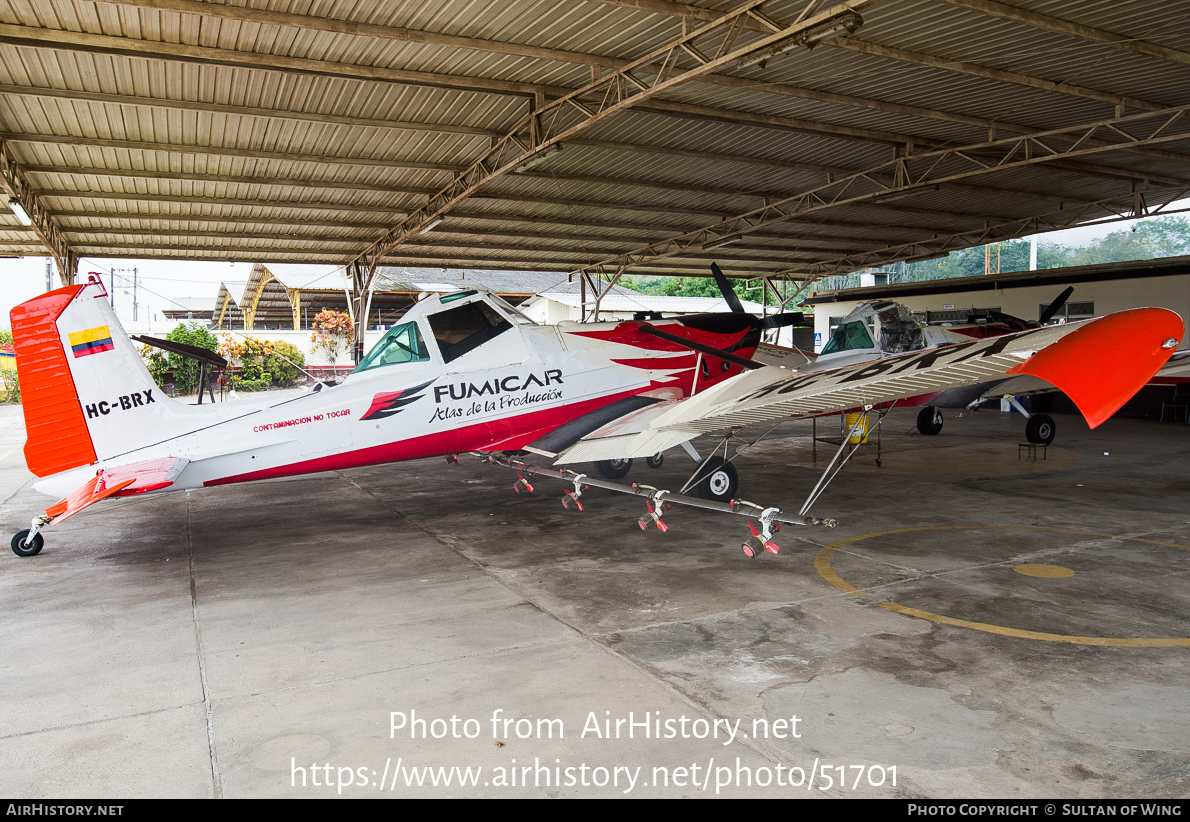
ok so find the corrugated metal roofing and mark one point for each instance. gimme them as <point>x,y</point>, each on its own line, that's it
<point>654,302</point>
<point>500,282</point>
<point>284,130</point>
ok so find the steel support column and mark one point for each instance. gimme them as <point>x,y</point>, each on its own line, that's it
<point>17,189</point>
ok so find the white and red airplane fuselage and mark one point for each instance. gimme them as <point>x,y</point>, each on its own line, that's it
<point>93,405</point>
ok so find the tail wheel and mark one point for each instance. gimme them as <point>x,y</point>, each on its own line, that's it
<point>614,469</point>
<point>929,421</point>
<point>32,549</point>
<point>655,460</point>
<point>719,481</point>
<point>1040,429</point>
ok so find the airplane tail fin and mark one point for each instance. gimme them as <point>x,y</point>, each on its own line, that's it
<point>87,394</point>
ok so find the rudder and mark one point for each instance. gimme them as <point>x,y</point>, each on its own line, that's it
<point>87,394</point>
<point>57,435</point>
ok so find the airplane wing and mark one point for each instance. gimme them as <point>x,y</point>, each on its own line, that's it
<point>1099,363</point>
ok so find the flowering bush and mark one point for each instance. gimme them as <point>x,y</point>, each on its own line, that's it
<point>10,387</point>
<point>333,333</point>
<point>262,363</point>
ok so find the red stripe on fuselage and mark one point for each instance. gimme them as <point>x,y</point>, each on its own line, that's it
<point>510,432</point>
<point>629,334</point>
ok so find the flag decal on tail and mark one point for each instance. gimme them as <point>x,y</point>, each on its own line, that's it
<point>91,341</point>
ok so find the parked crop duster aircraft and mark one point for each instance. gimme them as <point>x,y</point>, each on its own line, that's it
<point>465,372</point>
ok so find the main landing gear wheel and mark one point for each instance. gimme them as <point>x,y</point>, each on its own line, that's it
<point>655,460</point>
<point>1040,429</point>
<point>929,421</point>
<point>614,469</point>
<point>718,481</point>
<point>33,549</point>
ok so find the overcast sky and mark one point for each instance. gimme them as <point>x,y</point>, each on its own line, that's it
<point>159,281</point>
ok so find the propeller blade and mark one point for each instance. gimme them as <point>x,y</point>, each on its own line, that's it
<point>1056,306</point>
<point>782,320</point>
<point>729,295</point>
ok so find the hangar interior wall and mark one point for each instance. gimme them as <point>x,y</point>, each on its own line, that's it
<point>1109,296</point>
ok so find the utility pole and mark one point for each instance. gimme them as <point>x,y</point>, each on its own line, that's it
<point>124,272</point>
<point>49,274</point>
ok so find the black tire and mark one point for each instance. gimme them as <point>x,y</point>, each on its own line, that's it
<point>929,421</point>
<point>21,550</point>
<point>718,481</point>
<point>655,460</point>
<point>613,469</point>
<point>1040,429</point>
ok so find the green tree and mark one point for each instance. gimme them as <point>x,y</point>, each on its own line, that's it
<point>263,364</point>
<point>186,370</point>
<point>5,336</point>
<point>700,287</point>
<point>156,362</point>
<point>1159,237</point>
<point>1167,236</point>
<point>282,363</point>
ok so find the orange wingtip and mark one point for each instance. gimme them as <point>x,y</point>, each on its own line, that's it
<point>1105,362</point>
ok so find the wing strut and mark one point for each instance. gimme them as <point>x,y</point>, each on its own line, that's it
<point>857,427</point>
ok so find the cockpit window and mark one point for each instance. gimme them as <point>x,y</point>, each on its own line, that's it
<point>899,329</point>
<point>849,337</point>
<point>402,344</point>
<point>465,328</point>
<point>515,312</point>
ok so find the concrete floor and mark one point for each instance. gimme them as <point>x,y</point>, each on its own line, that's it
<point>209,644</point>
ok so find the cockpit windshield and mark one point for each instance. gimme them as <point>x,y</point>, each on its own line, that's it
<point>402,344</point>
<point>892,324</point>
<point>849,337</point>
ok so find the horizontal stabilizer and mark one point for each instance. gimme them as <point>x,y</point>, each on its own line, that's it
<point>97,488</point>
<point>1106,361</point>
<point>123,481</point>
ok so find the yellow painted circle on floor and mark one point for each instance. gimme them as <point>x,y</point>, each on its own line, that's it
<point>822,564</point>
<point>1030,569</point>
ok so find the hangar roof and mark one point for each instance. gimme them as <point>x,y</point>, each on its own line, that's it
<point>266,130</point>
<point>624,302</point>
<point>227,311</point>
<point>506,283</point>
